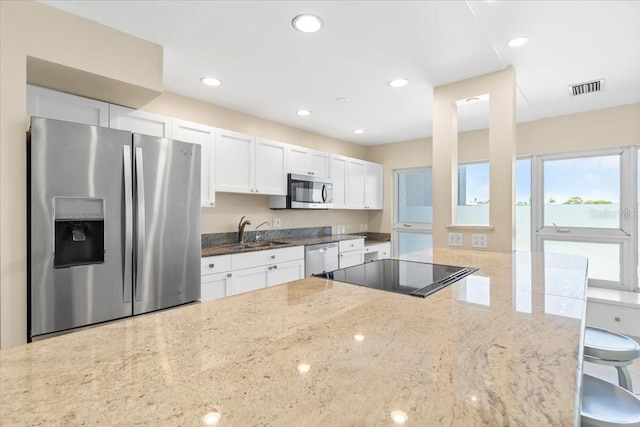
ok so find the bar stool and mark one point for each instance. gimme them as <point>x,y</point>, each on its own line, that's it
<point>609,348</point>
<point>606,404</point>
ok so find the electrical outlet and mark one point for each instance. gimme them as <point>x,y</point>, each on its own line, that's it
<point>275,223</point>
<point>455,239</point>
<point>479,240</point>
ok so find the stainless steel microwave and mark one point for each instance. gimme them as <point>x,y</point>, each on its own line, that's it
<point>304,192</point>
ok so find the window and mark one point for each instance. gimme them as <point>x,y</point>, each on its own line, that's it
<point>473,194</point>
<point>583,206</point>
<point>413,213</point>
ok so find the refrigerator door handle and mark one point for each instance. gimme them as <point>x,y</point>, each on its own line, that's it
<point>140,237</point>
<point>128,224</point>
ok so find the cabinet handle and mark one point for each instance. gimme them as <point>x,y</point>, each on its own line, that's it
<point>273,257</point>
<point>270,268</point>
<point>275,267</point>
<point>408,225</point>
<point>228,274</point>
<point>212,265</point>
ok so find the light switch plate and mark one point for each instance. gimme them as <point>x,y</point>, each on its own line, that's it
<point>275,223</point>
<point>479,240</point>
<point>455,239</point>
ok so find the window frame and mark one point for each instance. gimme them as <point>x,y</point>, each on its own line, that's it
<point>626,236</point>
<point>407,227</point>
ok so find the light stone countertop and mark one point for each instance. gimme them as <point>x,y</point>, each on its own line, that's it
<point>501,347</point>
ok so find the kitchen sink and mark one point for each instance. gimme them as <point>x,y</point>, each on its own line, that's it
<point>249,245</point>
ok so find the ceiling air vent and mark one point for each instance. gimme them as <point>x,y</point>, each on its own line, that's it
<point>586,87</point>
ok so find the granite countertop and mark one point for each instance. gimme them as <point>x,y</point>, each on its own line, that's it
<point>501,347</point>
<point>226,249</point>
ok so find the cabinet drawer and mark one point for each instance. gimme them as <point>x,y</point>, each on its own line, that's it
<point>270,256</point>
<point>215,264</point>
<point>351,245</point>
<point>616,318</point>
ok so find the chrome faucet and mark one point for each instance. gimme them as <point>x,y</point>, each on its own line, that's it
<point>241,226</point>
<point>257,237</point>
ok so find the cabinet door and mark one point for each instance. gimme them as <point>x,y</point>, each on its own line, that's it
<point>356,172</point>
<point>235,162</point>
<point>318,163</point>
<point>214,286</point>
<point>271,167</point>
<point>348,259</point>
<point>51,104</point>
<point>373,186</point>
<point>124,118</point>
<point>298,160</point>
<point>285,272</point>
<point>248,279</point>
<point>205,136</point>
<point>338,170</point>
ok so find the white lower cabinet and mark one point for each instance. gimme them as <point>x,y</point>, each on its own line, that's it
<point>351,252</point>
<point>214,286</point>
<point>378,251</point>
<point>248,279</point>
<point>227,275</point>
<point>285,272</point>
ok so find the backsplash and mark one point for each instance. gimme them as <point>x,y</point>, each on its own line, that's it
<point>215,239</point>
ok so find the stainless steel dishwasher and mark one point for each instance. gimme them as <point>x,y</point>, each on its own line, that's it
<point>320,258</point>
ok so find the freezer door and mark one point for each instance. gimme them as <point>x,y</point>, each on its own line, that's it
<point>79,272</point>
<point>167,236</point>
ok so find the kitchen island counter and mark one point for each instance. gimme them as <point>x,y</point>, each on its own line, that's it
<point>501,347</point>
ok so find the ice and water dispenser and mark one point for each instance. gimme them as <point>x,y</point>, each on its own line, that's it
<point>78,233</point>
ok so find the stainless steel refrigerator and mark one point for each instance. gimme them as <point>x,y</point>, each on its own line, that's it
<point>113,224</point>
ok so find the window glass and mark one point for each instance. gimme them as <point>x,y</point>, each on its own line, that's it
<point>523,205</point>
<point>414,197</point>
<point>582,192</point>
<point>604,258</point>
<point>473,194</point>
<point>414,245</point>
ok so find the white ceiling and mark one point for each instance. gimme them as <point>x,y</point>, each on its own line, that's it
<point>270,70</point>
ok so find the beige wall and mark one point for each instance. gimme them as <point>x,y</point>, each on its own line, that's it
<point>592,130</point>
<point>33,30</point>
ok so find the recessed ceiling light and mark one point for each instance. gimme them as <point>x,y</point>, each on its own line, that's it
<point>303,368</point>
<point>303,113</point>
<point>517,42</point>
<point>307,23</point>
<point>358,131</point>
<point>398,82</point>
<point>399,417</point>
<point>343,99</point>
<point>472,100</point>
<point>211,418</point>
<point>211,81</point>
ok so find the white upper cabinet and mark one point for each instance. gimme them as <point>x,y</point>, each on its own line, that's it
<point>305,161</point>
<point>363,183</point>
<point>205,136</point>
<point>271,167</point>
<point>235,162</point>
<point>338,169</point>
<point>124,118</point>
<point>373,186</point>
<point>245,164</point>
<point>51,104</point>
<point>356,173</point>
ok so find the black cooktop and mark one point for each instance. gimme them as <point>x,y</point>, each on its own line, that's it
<point>403,277</point>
